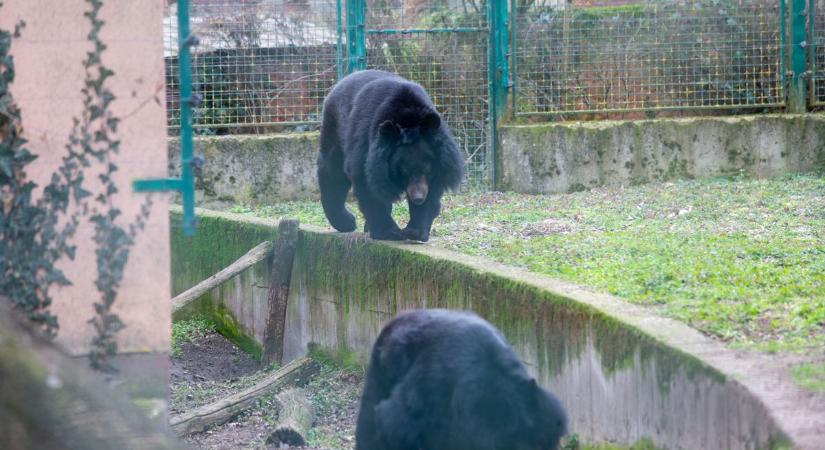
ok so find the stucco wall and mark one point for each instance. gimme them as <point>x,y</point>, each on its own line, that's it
<point>48,58</point>
<point>564,157</point>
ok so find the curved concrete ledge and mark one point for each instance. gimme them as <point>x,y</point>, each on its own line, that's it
<point>622,373</point>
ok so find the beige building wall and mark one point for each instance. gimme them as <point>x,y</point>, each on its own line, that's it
<point>48,58</point>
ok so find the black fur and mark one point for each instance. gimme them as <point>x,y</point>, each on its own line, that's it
<point>447,380</point>
<point>381,135</point>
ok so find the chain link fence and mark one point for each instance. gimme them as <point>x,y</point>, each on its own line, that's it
<point>622,56</point>
<point>265,65</point>
<point>817,54</point>
<point>443,47</point>
<point>261,65</point>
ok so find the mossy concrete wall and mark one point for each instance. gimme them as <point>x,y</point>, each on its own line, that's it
<point>566,157</point>
<point>622,373</point>
<point>253,169</point>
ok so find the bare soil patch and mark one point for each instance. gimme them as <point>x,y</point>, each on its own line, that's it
<point>210,367</point>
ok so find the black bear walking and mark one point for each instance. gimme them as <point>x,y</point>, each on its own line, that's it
<point>381,135</point>
<point>447,380</point>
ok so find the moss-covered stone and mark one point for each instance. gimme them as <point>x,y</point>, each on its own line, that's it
<point>563,157</point>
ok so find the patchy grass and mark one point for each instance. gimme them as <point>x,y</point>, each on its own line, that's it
<point>188,331</point>
<point>335,394</point>
<point>571,442</point>
<point>810,377</point>
<point>738,258</point>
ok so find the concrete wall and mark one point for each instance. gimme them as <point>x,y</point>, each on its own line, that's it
<point>49,61</point>
<point>564,157</point>
<point>622,373</point>
<point>253,169</point>
<point>543,158</point>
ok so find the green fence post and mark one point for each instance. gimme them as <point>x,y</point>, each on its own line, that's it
<point>797,101</point>
<point>497,75</point>
<point>513,91</point>
<point>356,39</point>
<point>186,183</point>
<point>339,42</point>
<point>812,44</point>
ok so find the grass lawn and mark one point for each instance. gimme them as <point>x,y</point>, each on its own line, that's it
<point>739,259</point>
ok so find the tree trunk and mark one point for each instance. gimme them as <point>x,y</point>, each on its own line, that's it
<point>49,400</point>
<point>294,419</point>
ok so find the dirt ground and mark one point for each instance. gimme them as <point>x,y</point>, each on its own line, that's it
<point>211,367</point>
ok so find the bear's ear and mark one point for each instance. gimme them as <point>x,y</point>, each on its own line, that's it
<point>430,122</point>
<point>389,131</point>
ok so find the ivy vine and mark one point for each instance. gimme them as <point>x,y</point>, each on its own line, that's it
<point>32,236</point>
<point>35,234</point>
<point>95,135</point>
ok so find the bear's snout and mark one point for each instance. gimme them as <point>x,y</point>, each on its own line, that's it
<point>417,190</point>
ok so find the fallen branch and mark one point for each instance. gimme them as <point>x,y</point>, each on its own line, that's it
<point>296,373</point>
<point>294,419</point>
<point>246,261</point>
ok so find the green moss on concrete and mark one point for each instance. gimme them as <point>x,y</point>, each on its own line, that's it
<point>641,444</point>
<point>373,276</point>
<point>810,377</point>
<point>339,358</point>
<point>216,244</point>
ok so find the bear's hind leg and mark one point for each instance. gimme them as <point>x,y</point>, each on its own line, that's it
<point>334,187</point>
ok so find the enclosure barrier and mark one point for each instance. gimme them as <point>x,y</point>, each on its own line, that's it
<point>817,52</point>
<point>266,65</point>
<point>623,373</point>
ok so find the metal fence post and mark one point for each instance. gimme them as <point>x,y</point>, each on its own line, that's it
<point>186,183</point>
<point>356,36</point>
<point>797,99</point>
<point>339,41</point>
<point>513,60</point>
<point>497,74</point>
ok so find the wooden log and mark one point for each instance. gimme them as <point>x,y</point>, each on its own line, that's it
<point>294,419</point>
<point>278,293</point>
<point>295,373</point>
<point>49,400</point>
<point>257,254</point>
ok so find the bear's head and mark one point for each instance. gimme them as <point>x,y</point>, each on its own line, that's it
<point>414,153</point>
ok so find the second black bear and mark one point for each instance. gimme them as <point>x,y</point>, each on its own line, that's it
<point>447,380</point>
<point>381,135</point>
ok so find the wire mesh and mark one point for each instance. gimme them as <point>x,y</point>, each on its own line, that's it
<point>443,47</point>
<point>261,65</point>
<point>619,56</point>
<point>818,53</point>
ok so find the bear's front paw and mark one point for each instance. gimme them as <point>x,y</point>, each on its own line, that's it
<point>415,234</point>
<point>343,222</point>
<point>392,234</point>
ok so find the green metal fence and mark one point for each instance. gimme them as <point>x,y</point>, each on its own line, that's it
<point>262,65</point>
<point>266,65</point>
<point>444,48</point>
<point>647,56</point>
<point>817,52</point>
